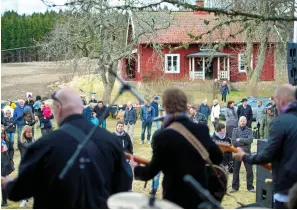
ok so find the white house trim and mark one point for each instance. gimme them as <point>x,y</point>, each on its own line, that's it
<point>177,63</point>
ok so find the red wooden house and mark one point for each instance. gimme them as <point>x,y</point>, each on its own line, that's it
<point>194,61</point>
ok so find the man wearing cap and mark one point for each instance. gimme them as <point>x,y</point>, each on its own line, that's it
<point>156,107</point>
<point>246,111</point>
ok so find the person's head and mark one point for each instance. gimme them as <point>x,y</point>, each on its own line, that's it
<point>215,102</point>
<point>147,102</point>
<point>129,104</point>
<point>242,121</point>
<point>38,98</point>
<point>292,204</point>
<point>21,102</point>
<point>192,111</point>
<point>100,104</point>
<point>215,80</point>
<point>220,128</point>
<point>244,101</point>
<point>284,95</point>
<point>93,97</point>
<point>120,126</point>
<point>156,99</point>
<point>3,133</point>
<point>8,113</point>
<point>204,101</point>
<point>27,132</point>
<point>269,111</point>
<point>29,97</point>
<point>42,106</point>
<point>174,100</point>
<point>259,103</point>
<point>230,104</point>
<point>66,102</point>
<point>94,114</point>
<point>224,83</point>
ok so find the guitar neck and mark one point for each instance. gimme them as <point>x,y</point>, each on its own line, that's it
<point>138,160</point>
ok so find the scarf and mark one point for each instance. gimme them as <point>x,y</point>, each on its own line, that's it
<point>119,134</point>
<point>233,111</point>
<point>285,108</point>
<point>169,118</point>
<point>220,135</point>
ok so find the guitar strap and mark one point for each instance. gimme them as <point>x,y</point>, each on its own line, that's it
<point>178,127</point>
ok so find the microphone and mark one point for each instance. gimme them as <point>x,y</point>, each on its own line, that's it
<point>203,193</point>
<point>159,118</point>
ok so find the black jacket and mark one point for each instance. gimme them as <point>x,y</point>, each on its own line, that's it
<point>100,112</point>
<point>280,150</point>
<point>246,138</point>
<point>10,125</point>
<point>45,122</point>
<point>7,165</point>
<point>104,175</point>
<point>248,113</point>
<point>125,142</point>
<point>176,157</point>
<point>227,157</point>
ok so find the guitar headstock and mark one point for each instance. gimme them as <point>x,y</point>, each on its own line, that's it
<point>225,146</point>
<point>222,143</point>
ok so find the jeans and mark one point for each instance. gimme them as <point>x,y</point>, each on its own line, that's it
<point>11,137</point>
<point>145,125</point>
<point>158,124</point>
<point>102,124</point>
<point>249,175</point>
<point>224,98</point>
<point>155,182</point>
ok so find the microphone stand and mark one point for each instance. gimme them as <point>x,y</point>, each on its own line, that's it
<point>204,194</point>
<point>125,87</point>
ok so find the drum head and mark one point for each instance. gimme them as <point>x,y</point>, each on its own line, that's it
<point>133,200</point>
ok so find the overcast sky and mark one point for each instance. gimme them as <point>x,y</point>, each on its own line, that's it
<point>26,6</point>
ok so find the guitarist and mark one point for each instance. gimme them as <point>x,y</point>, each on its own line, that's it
<point>281,148</point>
<point>175,156</point>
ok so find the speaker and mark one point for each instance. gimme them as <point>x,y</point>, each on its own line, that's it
<point>264,195</point>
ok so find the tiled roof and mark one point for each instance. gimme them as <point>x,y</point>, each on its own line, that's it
<point>176,26</point>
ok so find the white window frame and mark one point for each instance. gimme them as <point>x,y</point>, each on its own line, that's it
<point>166,63</point>
<point>239,60</point>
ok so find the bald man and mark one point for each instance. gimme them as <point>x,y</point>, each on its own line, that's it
<point>281,147</point>
<point>86,185</point>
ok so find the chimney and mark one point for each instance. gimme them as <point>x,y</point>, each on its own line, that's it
<point>200,3</point>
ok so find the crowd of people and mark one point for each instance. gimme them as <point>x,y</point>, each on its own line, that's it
<point>105,165</point>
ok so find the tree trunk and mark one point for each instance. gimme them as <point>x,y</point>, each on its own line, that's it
<point>108,81</point>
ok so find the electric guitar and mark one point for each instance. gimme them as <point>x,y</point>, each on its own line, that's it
<point>227,147</point>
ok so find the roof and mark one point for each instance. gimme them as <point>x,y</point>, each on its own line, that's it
<point>208,53</point>
<point>175,27</point>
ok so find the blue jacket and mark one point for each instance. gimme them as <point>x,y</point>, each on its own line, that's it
<point>204,109</point>
<point>156,107</point>
<point>130,116</point>
<point>87,113</point>
<point>147,114</point>
<point>18,114</point>
<point>95,120</point>
<point>224,90</point>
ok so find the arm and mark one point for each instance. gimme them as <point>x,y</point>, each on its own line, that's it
<point>234,137</point>
<point>262,127</point>
<point>270,152</point>
<point>215,154</point>
<point>247,140</point>
<point>238,111</point>
<point>227,115</point>
<point>141,113</point>
<point>149,171</point>
<point>125,114</point>
<point>217,111</point>
<point>135,115</point>
<point>130,145</point>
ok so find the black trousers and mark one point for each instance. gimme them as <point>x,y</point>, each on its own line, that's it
<point>224,98</point>
<point>4,196</point>
<point>249,175</point>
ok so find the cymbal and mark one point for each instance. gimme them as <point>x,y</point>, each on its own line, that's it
<point>133,200</point>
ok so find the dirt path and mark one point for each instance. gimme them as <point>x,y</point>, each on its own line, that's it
<point>37,77</point>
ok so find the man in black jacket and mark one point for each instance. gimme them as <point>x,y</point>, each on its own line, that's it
<point>281,148</point>
<point>100,109</point>
<point>83,187</point>
<point>246,111</point>
<point>175,156</point>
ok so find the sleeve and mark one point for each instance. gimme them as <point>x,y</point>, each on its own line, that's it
<point>149,171</point>
<point>262,127</point>
<point>135,116</point>
<point>234,137</point>
<point>227,115</point>
<point>215,154</point>
<point>130,145</point>
<point>25,185</point>
<point>199,110</point>
<point>125,114</point>
<point>270,152</point>
<point>238,112</point>
<point>249,139</point>
<point>141,113</point>
<point>15,114</point>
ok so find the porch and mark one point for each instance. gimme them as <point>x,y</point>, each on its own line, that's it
<point>218,68</point>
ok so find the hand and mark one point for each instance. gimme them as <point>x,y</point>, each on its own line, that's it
<point>238,139</point>
<point>5,180</point>
<point>133,164</point>
<point>238,155</point>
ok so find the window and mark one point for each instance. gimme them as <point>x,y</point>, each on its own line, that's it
<point>241,63</point>
<point>172,63</point>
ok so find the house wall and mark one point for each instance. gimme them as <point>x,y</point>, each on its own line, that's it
<point>152,64</point>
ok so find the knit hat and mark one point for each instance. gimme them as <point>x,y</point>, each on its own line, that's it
<point>156,98</point>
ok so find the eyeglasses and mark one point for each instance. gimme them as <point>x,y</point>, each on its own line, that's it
<point>55,98</point>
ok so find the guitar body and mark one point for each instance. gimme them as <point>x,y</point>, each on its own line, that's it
<point>217,182</point>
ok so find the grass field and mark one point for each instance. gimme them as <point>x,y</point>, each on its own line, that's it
<point>144,150</point>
